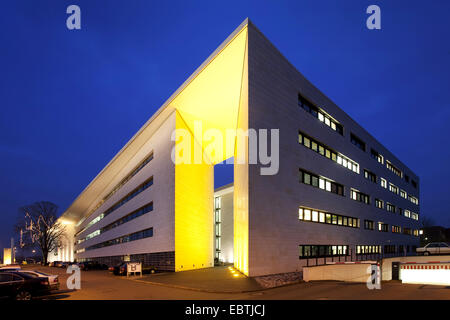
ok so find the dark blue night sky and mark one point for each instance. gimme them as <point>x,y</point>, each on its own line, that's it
<point>71,99</point>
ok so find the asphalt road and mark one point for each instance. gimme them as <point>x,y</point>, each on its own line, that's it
<point>101,285</point>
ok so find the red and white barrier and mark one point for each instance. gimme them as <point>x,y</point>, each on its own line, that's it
<point>429,272</point>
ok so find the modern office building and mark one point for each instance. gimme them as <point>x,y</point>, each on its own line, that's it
<point>337,190</point>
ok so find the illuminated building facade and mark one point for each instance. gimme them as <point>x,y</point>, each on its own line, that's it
<point>338,191</point>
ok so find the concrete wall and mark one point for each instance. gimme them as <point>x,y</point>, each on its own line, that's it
<point>339,272</point>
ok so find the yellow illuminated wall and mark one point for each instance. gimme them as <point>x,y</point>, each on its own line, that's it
<point>7,256</point>
<point>194,189</point>
<point>215,96</point>
<point>241,226</point>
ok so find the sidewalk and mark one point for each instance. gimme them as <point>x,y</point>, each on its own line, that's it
<point>215,280</point>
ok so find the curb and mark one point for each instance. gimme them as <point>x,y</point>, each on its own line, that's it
<point>207,290</point>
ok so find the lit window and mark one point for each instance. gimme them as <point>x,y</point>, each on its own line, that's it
<point>300,214</point>
<point>328,185</point>
<point>321,183</point>
<point>321,217</point>
<point>315,216</point>
<point>307,214</point>
<point>320,116</point>
<point>333,126</point>
<point>327,122</point>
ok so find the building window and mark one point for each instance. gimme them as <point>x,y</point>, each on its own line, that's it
<point>414,183</point>
<point>407,213</point>
<point>396,229</point>
<point>368,249</point>
<point>130,175</point>
<point>133,215</point>
<point>369,225</point>
<point>320,114</point>
<point>413,200</point>
<point>383,182</point>
<point>128,238</point>
<point>358,142</point>
<point>321,182</point>
<point>370,176</point>
<point>383,227</point>
<point>327,152</point>
<point>394,169</point>
<point>374,154</point>
<point>415,216</point>
<point>315,215</point>
<point>359,196</point>
<point>379,203</point>
<point>322,251</point>
<point>218,225</point>
<point>407,231</point>
<point>403,194</point>
<point>393,188</point>
<point>145,185</point>
<point>390,207</point>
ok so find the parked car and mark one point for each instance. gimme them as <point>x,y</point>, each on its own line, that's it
<point>53,280</point>
<point>434,248</point>
<point>54,263</point>
<point>121,269</point>
<point>22,286</point>
<point>92,265</point>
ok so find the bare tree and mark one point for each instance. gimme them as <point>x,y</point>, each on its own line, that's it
<point>38,226</point>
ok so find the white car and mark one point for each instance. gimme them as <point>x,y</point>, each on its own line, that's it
<point>52,279</point>
<point>434,248</point>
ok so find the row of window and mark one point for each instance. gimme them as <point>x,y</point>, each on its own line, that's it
<point>145,185</point>
<point>392,187</point>
<point>320,114</point>
<point>133,215</point>
<point>310,143</point>
<point>321,182</point>
<point>391,208</point>
<point>368,249</point>
<point>336,126</point>
<point>133,172</point>
<point>359,196</point>
<point>394,169</point>
<point>383,227</point>
<point>322,251</point>
<point>334,187</point>
<point>345,161</point>
<point>128,238</point>
<point>313,215</point>
<point>370,176</point>
<point>327,152</point>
